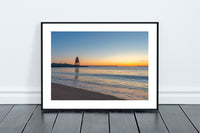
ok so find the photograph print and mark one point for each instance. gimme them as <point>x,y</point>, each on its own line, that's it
<point>93,66</point>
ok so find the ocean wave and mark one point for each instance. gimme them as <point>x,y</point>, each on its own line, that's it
<point>94,82</point>
<point>105,75</point>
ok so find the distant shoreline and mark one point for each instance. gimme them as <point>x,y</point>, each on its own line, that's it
<point>64,92</point>
<point>99,66</point>
<point>66,65</point>
<point>69,66</point>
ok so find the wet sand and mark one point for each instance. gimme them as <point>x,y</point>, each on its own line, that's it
<point>63,92</point>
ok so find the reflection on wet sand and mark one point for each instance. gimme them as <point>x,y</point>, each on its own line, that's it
<point>76,71</point>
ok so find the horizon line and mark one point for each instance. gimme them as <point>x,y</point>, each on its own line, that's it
<point>107,65</point>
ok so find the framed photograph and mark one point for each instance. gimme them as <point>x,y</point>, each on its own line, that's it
<point>99,65</point>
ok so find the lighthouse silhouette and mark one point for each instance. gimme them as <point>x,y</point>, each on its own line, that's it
<point>77,63</point>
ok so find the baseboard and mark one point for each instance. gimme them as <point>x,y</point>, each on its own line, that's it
<point>172,97</point>
<point>20,97</point>
<point>165,97</point>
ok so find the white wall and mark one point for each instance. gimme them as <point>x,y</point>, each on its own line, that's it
<point>20,41</point>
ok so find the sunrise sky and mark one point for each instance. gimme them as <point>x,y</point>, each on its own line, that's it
<point>100,48</point>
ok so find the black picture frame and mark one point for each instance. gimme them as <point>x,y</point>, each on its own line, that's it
<point>157,73</point>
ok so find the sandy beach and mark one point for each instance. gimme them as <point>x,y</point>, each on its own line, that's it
<point>63,92</point>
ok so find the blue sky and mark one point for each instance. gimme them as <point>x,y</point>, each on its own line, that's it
<point>98,48</point>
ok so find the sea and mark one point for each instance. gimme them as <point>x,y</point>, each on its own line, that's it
<point>129,83</point>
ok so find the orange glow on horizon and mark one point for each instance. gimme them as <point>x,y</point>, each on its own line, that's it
<point>138,63</point>
<point>114,60</point>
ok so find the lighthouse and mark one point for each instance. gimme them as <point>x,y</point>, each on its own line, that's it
<point>77,63</point>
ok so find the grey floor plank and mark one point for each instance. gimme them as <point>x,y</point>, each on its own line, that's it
<point>4,109</point>
<point>193,112</point>
<point>150,122</point>
<point>122,122</point>
<point>16,119</point>
<point>40,122</point>
<point>95,122</point>
<point>68,122</point>
<point>175,119</point>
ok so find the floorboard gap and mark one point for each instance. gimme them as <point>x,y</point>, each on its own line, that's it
<point>109,121</point>
<point>54,121</point>
<point>188,118</point>
<point>7,113</point>
<point>163,121</point>
<point>81,122</point>
<point>29,119</point>
<point>136,122</point>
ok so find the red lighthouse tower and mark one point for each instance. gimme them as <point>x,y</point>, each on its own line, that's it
<point>77,62</point>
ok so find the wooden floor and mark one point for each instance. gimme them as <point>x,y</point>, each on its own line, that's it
<point>169,118</point>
